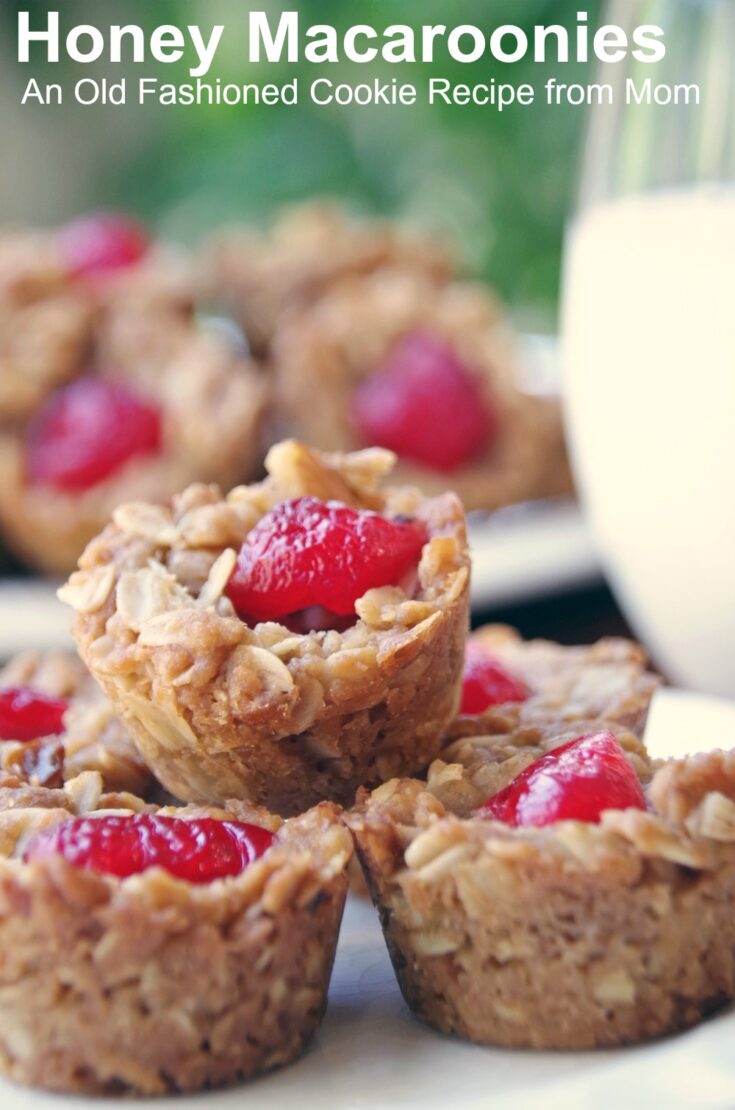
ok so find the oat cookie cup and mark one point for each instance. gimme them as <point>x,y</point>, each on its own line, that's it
<point>428,370</point>
<point>146,982</point>
<point>142,400</point>
<point>262,277</point>
<point>569,936</point>
<point>205,407</point>
<point>510,681</point>
<point>221,708</point>
<point>55,723</point>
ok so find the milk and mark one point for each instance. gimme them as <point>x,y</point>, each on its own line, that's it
<point>649,358</point>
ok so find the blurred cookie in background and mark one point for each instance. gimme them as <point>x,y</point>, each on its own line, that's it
<point>115,389</point>
<point>430,371</point>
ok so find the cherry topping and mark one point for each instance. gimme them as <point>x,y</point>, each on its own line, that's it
<point>87,431</point>
<point>27,714</point>
<point>574,782</point>
<point>100,243</point>
<point>426,405</point>
<point>487,682</point>
<point>307,552</point>
<point>198,851</point>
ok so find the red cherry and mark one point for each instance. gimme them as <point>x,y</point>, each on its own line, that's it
<point>307,552</point>
<point>88,431</point>
<point>487,682</point>
<point>426,405</point>
<point>574,782</point>
<point>27,714</point>
<point>198,851</point>
<point>100,243</point>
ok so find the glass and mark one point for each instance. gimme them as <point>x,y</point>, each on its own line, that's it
<point>649,338</point>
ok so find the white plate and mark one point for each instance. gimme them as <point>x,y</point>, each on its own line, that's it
<point>372,1055</point>
<point>519,554</point>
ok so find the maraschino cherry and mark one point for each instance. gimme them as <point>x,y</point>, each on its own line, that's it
<point>487,682</point>
<point>307,553</point>
<point>27,714</point>
<point>198,851</point>
<point>575,782</point>
<point>426,405</point>
<point>87,432</point>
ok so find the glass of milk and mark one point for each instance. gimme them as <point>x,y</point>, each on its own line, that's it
<point>649,341</point>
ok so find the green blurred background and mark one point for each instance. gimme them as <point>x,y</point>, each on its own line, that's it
<point>502,183</point>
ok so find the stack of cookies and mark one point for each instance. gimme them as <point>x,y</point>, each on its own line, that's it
<point>284,672</point>
<point>272,677</point>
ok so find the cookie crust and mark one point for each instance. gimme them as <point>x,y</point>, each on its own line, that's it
<point>219,709</point>
<point>568,937</point>
<point>150,985</point>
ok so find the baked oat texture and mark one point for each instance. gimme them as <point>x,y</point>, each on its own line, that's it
<point>262,278</point>
<point>25,807</point>
<point>568,937</point>
<point>94,738</point>
<point>219,709</point>
<point>329,347</point>
<point>607,680</point>
<point>151,985</point>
